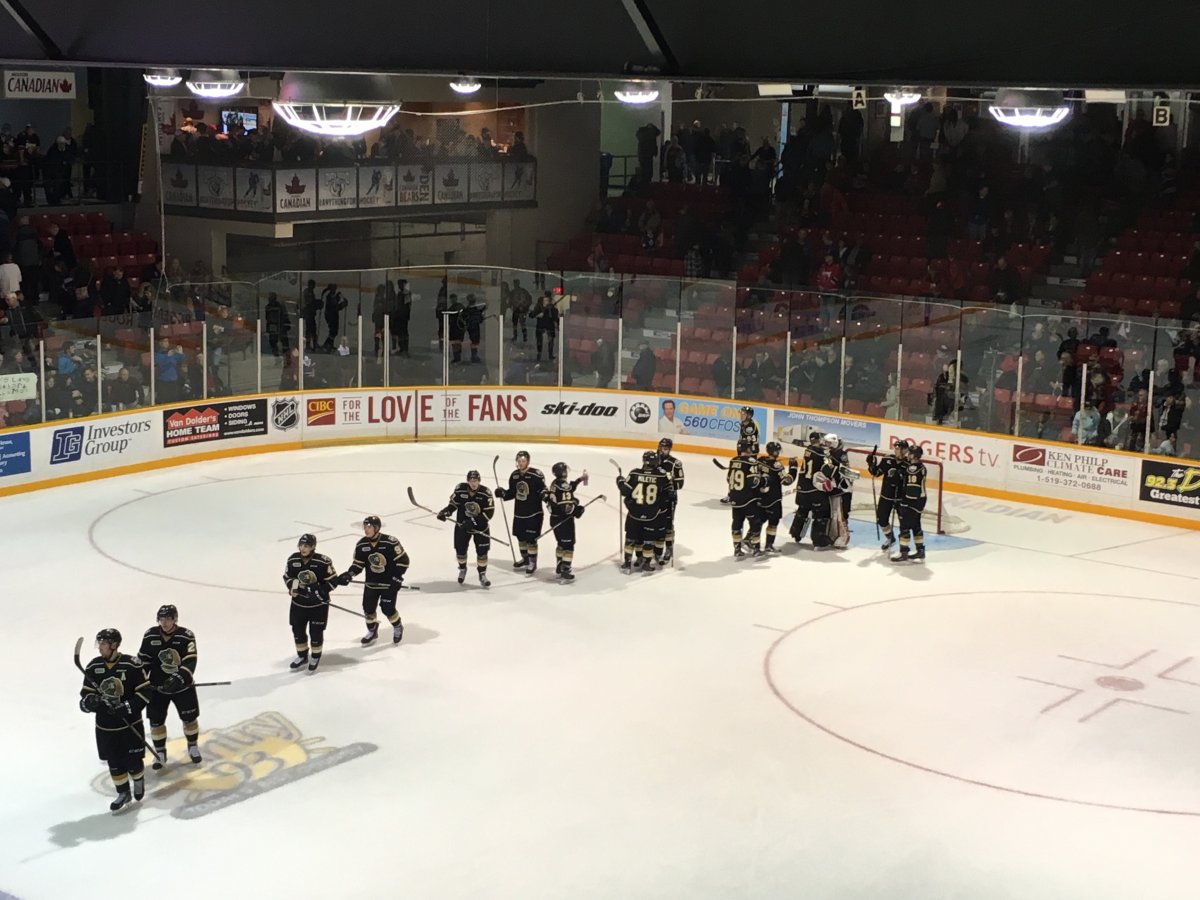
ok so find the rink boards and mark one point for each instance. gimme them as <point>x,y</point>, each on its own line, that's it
<point>1098,480</point>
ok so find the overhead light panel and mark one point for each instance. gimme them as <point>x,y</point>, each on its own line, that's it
<point>1029,109</point>
<point>904,97</point>
<point>215,83</point>
<point>162,78</point>
<point>637,93</point>
<point>336,105</point>
<point>465,85</point>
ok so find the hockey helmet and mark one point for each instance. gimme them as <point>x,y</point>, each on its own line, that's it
<point>473,475</point>
<point>111,635</point>
<point>559,470</point>
<point>915,451</point>
<point>310,540</point>
<point>168,611</point>
<point>747,411</point>
<point>774,448</point>
<point>900,446</point>
<point>523,455</point>
<point>665,445</point>
<point>373,521</point>
<point>745,447</point>
<point>650,457</point>
<point>831,440</point>
<point>815,437</point>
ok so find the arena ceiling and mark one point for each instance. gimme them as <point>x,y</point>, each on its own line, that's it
<point>1068,43</point>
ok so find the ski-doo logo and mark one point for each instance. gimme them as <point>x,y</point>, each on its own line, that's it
<point>574,409</point>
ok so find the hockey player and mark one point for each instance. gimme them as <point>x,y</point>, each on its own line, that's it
<point>116,689</point>
<point>309,577</point>
<point>565,508</point>
<point>648,493</point>
<point>831,529</point>
<point>674,468</point>
<point>747,434</point>
<point>168,653</point>
<point>747,485</point>
<point>912,504</point>
<point>472,506</point>
<point>891,469</point>
<point>777,477</point>
<point>526,485</point>
<point>807,496</point>
<point>385,562</point>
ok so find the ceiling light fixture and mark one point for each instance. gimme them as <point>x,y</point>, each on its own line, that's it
<point>215,83</point>
<point>465,85</point>
<point>336,105</point>
<point>162,78</point>
<point>637,93</point>
<point>1029,109</point>
<point>901,98</point>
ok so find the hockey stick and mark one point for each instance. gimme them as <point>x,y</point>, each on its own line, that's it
<point>211,683</point>
<point>875,500</point>
<point>504,512</point>
<point>585,506</point>
<point>486,534</point>
<point>719,466</point>
<point>403,587</point>
<point>88,678</point>
<point>620,518</point>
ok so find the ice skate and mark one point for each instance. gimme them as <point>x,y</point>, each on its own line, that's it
<point>297,663</point>
<point>194,753</point>
<point>124,798</point>
<point>462,574</point>
<point>369,637</point>
<point>397,632</point>
<point>483,579</point>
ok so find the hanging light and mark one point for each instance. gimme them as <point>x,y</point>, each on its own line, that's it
<point>336,105</point>
<point>215,83</point>
<point>903,97</point>
<point>162,78</point>
<point>637,93</point>
<point>898,99</point>
<point>465,85</point>
<point>1031,109</point>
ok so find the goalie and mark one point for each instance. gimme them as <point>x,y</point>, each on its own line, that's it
<point>835,480</point>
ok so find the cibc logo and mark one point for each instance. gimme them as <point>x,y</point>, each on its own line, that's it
<point>1029,456</point>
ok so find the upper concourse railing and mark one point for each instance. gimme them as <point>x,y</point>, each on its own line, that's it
<point>886,357</point>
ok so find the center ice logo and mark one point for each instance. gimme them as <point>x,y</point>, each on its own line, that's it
<point>240,762</point>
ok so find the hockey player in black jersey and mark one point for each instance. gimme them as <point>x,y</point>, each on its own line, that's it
<point>807,496</point>
<point>472,506</point>
<point>116,689</point>
<point>674,468</point>
<point>746,480</point>
<point>309,577</point>
<point>385,561</point>
<point>648,493</point>
<point>912,504</point>
<point>891,469</point>
<point>168,653</point>
<point>526,486</point>
<point>565,508</point>
<point>747,435</point>
<point>777,476</point>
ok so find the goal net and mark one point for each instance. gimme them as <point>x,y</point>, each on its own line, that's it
<point>935,517</point>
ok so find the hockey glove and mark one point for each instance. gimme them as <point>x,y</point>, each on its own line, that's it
<point>579,512</point>
<point>499,494</point>
<point>173,684</point>
<point>344,579</point>
<point>442,517</point>
<point>90,703</point>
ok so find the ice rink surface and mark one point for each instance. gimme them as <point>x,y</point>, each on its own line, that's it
<point>1017,718</point>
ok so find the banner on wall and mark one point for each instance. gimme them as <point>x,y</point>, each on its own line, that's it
<point>705,418</point>
<point>1086,469</point>
<point>15,458</point>
<point>22,84</point>
<point>520,181</point>
<point>295,190</point>
<point>254,190</point>
<point>179,184</point>
<point>18,387</point>
<point>97,443</point>
<point>414,186</point>
<point>337,189</point>
<point>376,186</point>
<point>215,187</point>
<point>486,182</point>
<point>1171,484</point>
<point>793,426</point>
<point>214,421</point>
<point>450,184</point>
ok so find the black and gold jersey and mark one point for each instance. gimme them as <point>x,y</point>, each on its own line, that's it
<point>745,480</point>
<point>892,472</point>
<point>561,500</point>
<point>777,476</point>
<point>835,466</point>
<point>165,654</point>
<point>123,680</point>
<point>748,434</point>
<point>647,492</point>
<point>673,467</point>
<point>383,559</point>
<point>471,508</point>
<point>314,572</point>
<point>914,484</point>
<point>525,489</point>
<point>810,462</point>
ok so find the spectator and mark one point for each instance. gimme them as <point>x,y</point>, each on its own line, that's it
<point>644,368</point>
<point>693,263</point>
<point>545,315</point>
<point>891,398</point>
<point>1085,427</point>
<point>58,396</point>
<point>1068,382</point>
<point>278,325</point>
<point>27,253</point>
<point>520,302</point>
<point>167,372</point>
<point>56,171</point>
<point>722,374</point>
<point>647,149</point>
<point>649,224</point>
<point>1172,410</point>
<point>1005,282</point>
<point>1169,446</point>
<point>85,394</point>
<point>124,392</point>
<point>10,275</point>
<point>603,362</point>
<point>829,275</point>
<point>115,293</point>
<point>979,214</point>
<point>1139,411</point>
<point>705,149</point>
<point>944,391</point>
<point>333,303</point>
<point>24,325</point>
<point>310,305</point>
<point>1070,343</point>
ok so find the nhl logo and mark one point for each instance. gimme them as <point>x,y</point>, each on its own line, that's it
<point>640,413</point>
<point>285,413</point>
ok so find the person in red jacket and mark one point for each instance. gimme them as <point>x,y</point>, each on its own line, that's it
<point>829,275</point>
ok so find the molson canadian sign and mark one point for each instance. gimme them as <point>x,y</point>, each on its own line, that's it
<point>21,84</point>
